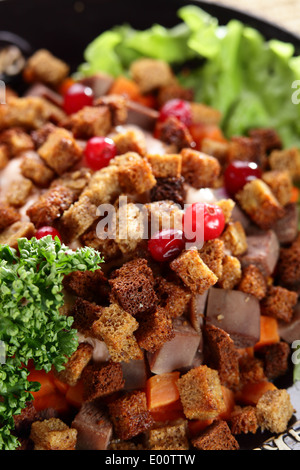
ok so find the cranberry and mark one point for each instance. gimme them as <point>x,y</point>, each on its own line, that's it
<point>203,222</point>
<point>77,97</point>
<point>166,245</point>
<point>45,231</point>
<point>177,108</point>
<point>99,151</point>
<point>239,173</point>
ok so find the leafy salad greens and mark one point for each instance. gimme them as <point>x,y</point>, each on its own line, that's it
<point>241,74</point>
<point>31,325</point>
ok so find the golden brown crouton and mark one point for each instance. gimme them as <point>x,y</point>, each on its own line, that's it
<point>198,169</point>
<point>203,114</point>
<point>4,156</point>
<point>18,192</point>
<point>279,303</point>
<point>243,420</point>
<point>154,330</point>
<point>43,67</point>
<point>130,227</point>
<point>212,253</point>
<point>17,141</point>
<point>8,216</point>
<point>118,106</point>
<point>166,166</point>
<point>258,201</point>
<point>286,160</point>
<point>104,186</point>
<point>247,149</point>
<point>274,410</point>
<point>75,364</point>
<point>194,273</point>
<point>216,149</point>
<point>174,298</point>
<point>170,437</point>
<point>108,247</point>
<point>235,239</point>
<point>20,229</point>
<point>201,393</point>
<point>151,74</point>
<point>281,185</point>
<point>35,169</point>
<point>216,436</point>
<point>53,434</point>
<point>90,121</point>
<point>231,272</point>
<point>164,215</point>
<point>136,177</point>
<point>227,206</point>
<point>253,282</point>
<point>101,380</point>
<point>133,140</point>
<point>78,219</point>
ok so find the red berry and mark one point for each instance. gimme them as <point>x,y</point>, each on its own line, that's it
<point>99,151</point>
<point>239,173</point>
<point>45,231</point>
<point>77,97</point>
<point>166,245</point>
<point>203,222</point>
<point>177,108</point>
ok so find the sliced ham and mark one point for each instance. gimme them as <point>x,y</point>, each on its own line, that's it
<point>236,313</point>
<point>286,228</point>
<point>42,91</point>
<point>134,374</point>
<point>197,310</point>
<point>93,426</point>
<point>263,252</point>
<point>141,116</point>
<point>290,332</point>
<point>100,83</point>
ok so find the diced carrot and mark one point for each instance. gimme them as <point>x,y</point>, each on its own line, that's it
<point>168,413</point>
<point>57,401</point>
<point>203,131</point>
<point>229,400</point>
<point>197,426</point>
<point>61,386</point>
<point>74,395</point>
<point>268,332</point>
<point>246,352</point>
<point>147,100</point>
<point>162,390</point>
<point>295,195</point>
<point>65,85</point>
<point>126,87</point>
<point>46,381</point>
<point>251,392</point>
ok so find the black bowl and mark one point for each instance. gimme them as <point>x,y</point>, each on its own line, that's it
<point>66,27</point>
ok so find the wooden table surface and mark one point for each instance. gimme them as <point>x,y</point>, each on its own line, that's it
<point>284,13</point>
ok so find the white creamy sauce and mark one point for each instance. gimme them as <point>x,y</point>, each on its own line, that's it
<point>205,195</point>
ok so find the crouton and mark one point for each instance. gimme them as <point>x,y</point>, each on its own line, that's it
<point>243,420</point>
<point>201,393</point>
<point>50,206</point>
<point>133,140</point>
<point>8,216</point>
<point>279,303</point>
<point>154,330</point>
<point>118,106</point>
<point>101,380</point>
<point>14,232</point>
<point>116,444</point>
<point>235,239</point>
<point>217,436</point>
<point>170,437</point>
<point>173,298</point>
<point>171,189</point>
<point>275,358</point>
<point>76,180</point>
<point>216,149</point>
<point>151,74</point>
<point>165,166</point>
<point>89,285</point>
<point>60,151</point>
<point>17,141</point>
<point>268,137</point>
<point>85,314</point>
<point>289,265</point>
<point>90,121</point>
<point>221,354</point>
<point>175,134</point>
<point>258,201</point>
<point>164,215</point>
<point>53,434</point>
<point>103,187</point>
<point>253,282</point>
<point>131,227</point>
<point>4,156</point>
<point>174,91</point>
<point>281,185</point>
<point>75,364</point>
<point>76,220</point>
<point>199,170</point>
<point>115,327</point>
<point>227,206</point>
<point>246,149</point>
<point>203,114</point>
<point>286,160</point>
<point>194,273</point>
<point>251,370</point>
<point>44,67</point>
<point>274,411</point>
<point>40,135</point>
<point>108,246</point>
<point>231,272</point>
<point>18,192</point>
<point>129,415</point>
<point>136,177</point>
<point>34,168</point>
<point>212,254</point>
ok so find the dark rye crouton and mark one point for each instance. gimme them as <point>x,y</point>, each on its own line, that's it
<point>279,303</point>
<point>253,282</point>
<point>174,436</point>
<point>251,370</point>
<point>89,285</point>
<point>76,364</point>
<point>8,216</point>
<point>174,91</point>
<point>269,138</point>
<point>35,169</point>
<point>217,436</point>
<point>274,411</point>
<point>17,141</point>
<point>173,298</point>
<point>275,359</point>
<point>53,434</point>
<point>44,67</point>
<point>221,354</point>
<point>85,314</point>
<point>169,189</point>
<point>154,330</point>
<point>129,415</point>
<point>201,393</point>
<point>101,380</point>
<point>243,420</point>
<point>166,166</point>
<point>198,169</point>
<point>288,268</point>
<point>175,134</point>
<point>90,121</point>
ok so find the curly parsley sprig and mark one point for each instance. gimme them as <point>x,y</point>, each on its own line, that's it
<point>31,325</point>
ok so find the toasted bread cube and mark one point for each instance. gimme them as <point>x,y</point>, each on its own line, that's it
<point>85,314</point>
<point>108,247</point>
<point>201,393</point>
<point>89,285</point>
<point>17,141</point>
<point>247,149</point>
<point>170,437</point>
<point>90,121</point>
<point>286,160</point>
<point>227,206</point>
<point>8,216</point>
<point>44,67</point>
<point>131,227</point>
<point>4,156</point>
<point>78,218</point>
<point>198,169</point>
<point>154,330</point>
<point>20,229</point>
<point>253,282</point>
<point>203,114</point>
<point>243,420</point>
<point>53,434</point>
<point>194,273</point>
<point>164,215</point>
<point>175,134</point>
<point>102,379</point>
<point>118,106</point>
<point>18,192</point>
<point>60,151</point>
<point>212,253</point>
<point>231,272</point>
<point>274,411</point>
<point>216,149</point>
<point>35,169</point>
<point>217,436</point>
<point>251,370</point>
<point>279,303</point>
<point>275,359</point>
<point>281,185</point>
<point>151,74</point>
<point>174,91</point>
<point>269,138</point>
<point>75,365</point>
<point>116,328</point>
<point>103,187</point>
<point>235,239</point>
<point>169,189</point>
<point>136,177</point>
<point>258,201</point>
<point>174,298</point>
<point>289,265</point>
<point>132,140</point>
<point>166,166</point>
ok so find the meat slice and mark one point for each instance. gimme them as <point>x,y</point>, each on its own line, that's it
<point>290,332</point>
<point>286,228</point>
<point>100,83</point>
<point>178,353</point>
<point>141,116</point>
<point>134,374</point>
<point>197,310</point>
<point>236,313</point>
<point>263,252</point>
<point>93,427</point>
